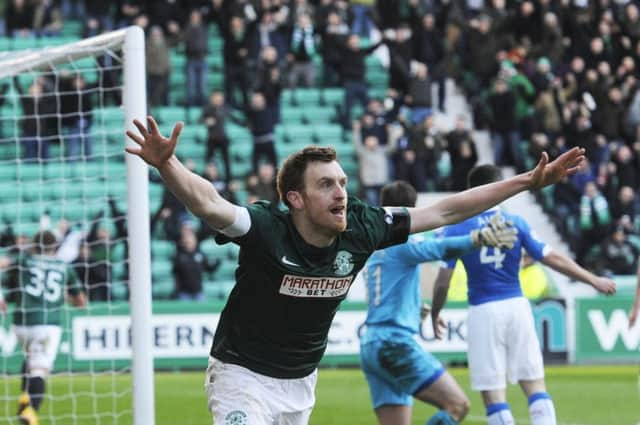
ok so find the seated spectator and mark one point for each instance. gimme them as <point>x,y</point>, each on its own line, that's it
<point>189,264</point>
<point>595,218</point>
<point>158,67</point>
<point>77,112</point>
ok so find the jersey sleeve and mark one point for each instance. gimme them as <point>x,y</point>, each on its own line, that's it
<point>421,249</point>
<point>260,214</point>
<point>534,246</point>
<point>383,227</point>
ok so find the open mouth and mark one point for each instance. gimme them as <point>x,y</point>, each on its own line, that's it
<point>339,210</point>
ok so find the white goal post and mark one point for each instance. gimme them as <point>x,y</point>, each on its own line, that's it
<point>126,47</point>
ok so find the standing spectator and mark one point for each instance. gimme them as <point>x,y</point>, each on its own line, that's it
<point>463,153</point>
<point>262,185</point>
<point>158,67</point>
<point>428,46</point>
<point>128,12</point>
<point>353,75</point>
<point>373,163</point>
<point>77,106</point>
<point>302,49</point>
<point>502,121</point>
<point>47,18</point>
<point>196,48</point>
<point>101,12</point>
<point>334,37</point>
<point>362,22</point>
<point>19,18</point>
<point>169,15</point>
<point>214,116</point>
<point>595,219</point>
<point>188,266</point>
<point>235,52</point>
<point>94,273</point>
<point>267,82</point>
<point>418,97</point>
<point>38,110</point>
<point>619,256</point>
<point>262,125</point>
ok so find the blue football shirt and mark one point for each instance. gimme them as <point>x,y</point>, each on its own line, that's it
<point>492,273</point>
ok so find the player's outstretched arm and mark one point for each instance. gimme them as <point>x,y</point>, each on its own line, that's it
<point>567,266</point>
<point>633,313</point>
<point>440,291</point>
<point>196,193</point>
<point>466,204</point>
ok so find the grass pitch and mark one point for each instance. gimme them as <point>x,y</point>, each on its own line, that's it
<point>584,395</point>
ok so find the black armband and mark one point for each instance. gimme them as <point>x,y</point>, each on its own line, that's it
<point>400,221</point>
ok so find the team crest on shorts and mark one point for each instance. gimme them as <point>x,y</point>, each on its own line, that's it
<point>343,264</point>
<point>236,417</point>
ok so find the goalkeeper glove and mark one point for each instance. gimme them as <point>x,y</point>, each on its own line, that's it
<point>497,232</point>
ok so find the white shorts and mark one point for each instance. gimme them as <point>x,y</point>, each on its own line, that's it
<point>40,345</point>
<point>239,396</point>
<point>502,343</point>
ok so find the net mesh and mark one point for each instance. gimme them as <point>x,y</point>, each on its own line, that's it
<point>62,169</point>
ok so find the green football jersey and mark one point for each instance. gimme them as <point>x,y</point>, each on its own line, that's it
<point>42,285</point>
<point>277,318</point>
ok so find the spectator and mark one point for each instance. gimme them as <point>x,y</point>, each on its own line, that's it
<point>618,254</point>
<point>196,43</point>
<point>362,23</point>
<point>262,185</point>
<point>47,18</point>
<point>169,15</point>
<point>428,43</point>
<point>334,37</point>
<point>421,156</point>
<point>261,122</point>
<point>505,137</point>
<point>77,115</point>
<point>353,75</point>
<point>268,82</point>
<point>373,163</point>
<point>419,95</point>
<point>100,12</point>
<point>214,116</point>
<point>158,67</point>
<point>462,152</point>
<point>235,53</point>
<point>301,52</point>
<point>267,33</point>
<point>38,120</point>
<point>625,206</point>
<point>595,218</point>
<point>19,18</point>
<point>94,273</point>
<point>226,188</point>
<point>189,264</point>
<point>129,11</point>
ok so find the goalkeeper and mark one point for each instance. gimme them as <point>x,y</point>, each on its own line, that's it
<point>396,367</point>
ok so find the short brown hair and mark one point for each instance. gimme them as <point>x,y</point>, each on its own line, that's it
<point>43,241</point>
<point>291,174</point>
<point>398,194</point>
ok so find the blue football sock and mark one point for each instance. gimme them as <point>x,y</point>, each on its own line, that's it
<point>442,417</point>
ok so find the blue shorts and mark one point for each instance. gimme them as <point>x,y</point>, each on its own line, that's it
<point>397,368</point>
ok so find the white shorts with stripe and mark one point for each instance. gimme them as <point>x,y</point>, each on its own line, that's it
<point>502,344</point>
<point>239,396</point>
<point>40,345</point>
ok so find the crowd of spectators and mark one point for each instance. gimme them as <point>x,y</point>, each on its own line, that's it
<point>538,75</point>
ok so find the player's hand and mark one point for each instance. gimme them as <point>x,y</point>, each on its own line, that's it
<point>439,326</point>
<point>154,148</point>
<point>497,232</point>
<point>425,309</point>
<point>604,285</point>
<point>547,173</point>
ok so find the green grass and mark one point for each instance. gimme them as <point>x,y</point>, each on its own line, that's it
<point>584,395</point>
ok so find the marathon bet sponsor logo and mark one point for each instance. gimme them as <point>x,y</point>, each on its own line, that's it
<point>236,417</point>
<point>315,287</point>
<point>343,264</point>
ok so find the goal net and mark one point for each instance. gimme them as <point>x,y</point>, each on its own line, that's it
<point>64,111</point>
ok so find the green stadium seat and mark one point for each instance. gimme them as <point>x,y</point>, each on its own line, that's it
<point>119,291</point>
<point>226,271</point>
<point>9,191</point>
<point>162,250</point>
<point>30,172</point>
<point>21,43</point>
<point>290,114</point>
<point>332,96</point>
<point>327,133</point>
<point>170,114</point>
<point>301,96</point>
<point>212,250</point>
<point>7,171</point>
<point>298,134</point>
<point>319,114</point>
<point>5,44</point>
<point>178,61</point>
<point>109,116</point>
<point>163,289</point>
